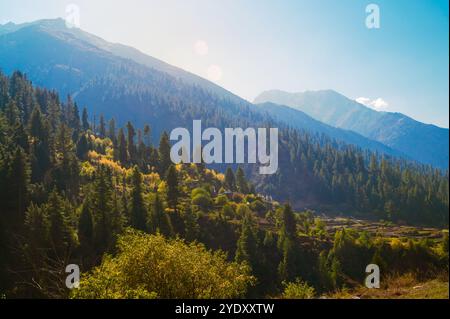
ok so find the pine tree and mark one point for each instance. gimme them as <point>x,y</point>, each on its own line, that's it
<point>75,122</point>
<point>130,142</point>
<point>102,129</point>
<point>66,172</point>
<point>164,160</point>
<point>122,155</point>
<point>86,229</point>
<point>85,120</point>
<point>138,211</point>
<point>112,131</point>
<point>59,231</point>
<point>82,147</point>
<point>36,226</point>
<point>173,191</point>
<point>39,146</point>
<point>287,241</point>
<point>247,244</point>
<point>18,188</point>
<point>101,207</point>
<point>241,182</point>
<point>147,135</point>
<point>159,221</point>
<point>230,181</point>
<point>190,225</point>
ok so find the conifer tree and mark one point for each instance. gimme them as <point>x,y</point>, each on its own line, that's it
<point>67,169</point>
<point>59,232</point>
<point>247,244</point>
<point>147,135</point>
<point>287,243</point>
<point>138,210</point>
<point>17,195</point>
<point>85,119</point>
<point>112,131</point>
<point>173,191</point>
<point>122,155</point>
<point>101,207</point>
<point>40,146</point>
<point>191,225</point>
<point>102,128</point>
<point>86,229</point>
<point>164,160</point>
<point>241,182</point>
<point>82,147</point>
<point>130,142</point>
<point>230,181</point>
<point>159,221</point>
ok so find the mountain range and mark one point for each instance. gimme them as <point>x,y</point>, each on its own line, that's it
<point>424,143</point>
<point>75,62</point>
<point>320,160</point>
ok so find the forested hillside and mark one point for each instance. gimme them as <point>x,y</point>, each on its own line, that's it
<point>108,199</point>
<point>327,171</point>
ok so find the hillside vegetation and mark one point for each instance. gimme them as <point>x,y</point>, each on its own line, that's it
<point>110,200</point>
<point>320,167</point>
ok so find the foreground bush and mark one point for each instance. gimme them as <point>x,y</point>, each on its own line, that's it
<point>150,266</point>
<point>298,290</point>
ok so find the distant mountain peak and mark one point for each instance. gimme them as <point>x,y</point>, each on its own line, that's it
<point>423,142</point>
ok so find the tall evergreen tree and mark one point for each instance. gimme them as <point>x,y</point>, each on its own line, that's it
<point>102,128</point>
<point>101,207</point>
<point>86,229</point>
<point>40,150</point>
<point>164,160</point>
<point>82,147</point>
<point>138,210</point>
<point>287,243</point>
<point>85,119</point>
<point>59,231</point>
<point>130,142</point>
<point>112,131</point>
<point>230,181</point>
<point>173,191</point>
<point>122,155</point>
<point>159,221</point>
<point>241,182</point>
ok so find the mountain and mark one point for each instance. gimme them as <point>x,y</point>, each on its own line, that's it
<point>300,120</point>
<point>316,169</point>
<point>425,143</point>
<point>56,28</point>
<point>75,62</point>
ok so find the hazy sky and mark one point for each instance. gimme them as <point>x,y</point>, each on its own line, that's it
<point>250,46</point>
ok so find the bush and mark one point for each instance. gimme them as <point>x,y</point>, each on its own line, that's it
<point>298,290</point>
<point>221,200</point>
<point>150,266</point>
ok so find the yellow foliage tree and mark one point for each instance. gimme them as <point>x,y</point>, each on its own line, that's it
<point>151,266</point>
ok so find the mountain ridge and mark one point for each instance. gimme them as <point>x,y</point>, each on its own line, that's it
<point>426,143</point>
<point>71,76</point>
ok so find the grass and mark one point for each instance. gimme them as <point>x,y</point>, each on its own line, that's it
<point>400,287</point>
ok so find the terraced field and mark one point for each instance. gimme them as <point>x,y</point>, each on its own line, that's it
<point>384,229</point>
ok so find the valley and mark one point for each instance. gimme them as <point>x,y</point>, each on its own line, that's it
<point>91,174</point>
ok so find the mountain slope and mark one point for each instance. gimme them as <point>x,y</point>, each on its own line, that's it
<point>57,29</point>
<point>75,62</point>
<point>298,119</point>
<point>314,171</point>
<point>423,142</point>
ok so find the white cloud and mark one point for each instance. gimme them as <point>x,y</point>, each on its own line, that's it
<point>363,100</point>
<point>378,104</point>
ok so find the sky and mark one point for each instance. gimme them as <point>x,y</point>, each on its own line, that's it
<point>293,45</point>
